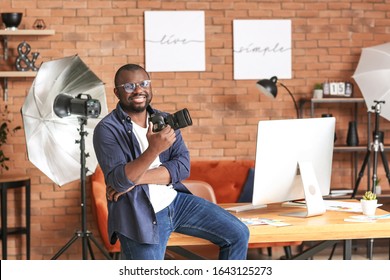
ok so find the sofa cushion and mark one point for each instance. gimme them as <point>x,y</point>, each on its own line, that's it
<point>227,177</point>
<point>247,190</point>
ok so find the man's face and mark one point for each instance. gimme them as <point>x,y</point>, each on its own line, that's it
<point>134,91</point>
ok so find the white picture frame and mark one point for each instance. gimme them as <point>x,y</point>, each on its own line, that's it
<point>262,49</point>
<point>175,41</point>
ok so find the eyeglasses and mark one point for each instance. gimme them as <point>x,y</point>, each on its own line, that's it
<point>130,87</point>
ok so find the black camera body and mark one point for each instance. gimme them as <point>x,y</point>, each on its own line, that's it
<point>180,119</point>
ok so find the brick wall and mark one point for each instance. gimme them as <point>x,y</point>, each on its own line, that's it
<point>327,38</point>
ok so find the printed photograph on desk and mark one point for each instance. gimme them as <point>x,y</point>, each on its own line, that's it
<point>263,221</point>
<point>367,219</point>
<point>343,206</point>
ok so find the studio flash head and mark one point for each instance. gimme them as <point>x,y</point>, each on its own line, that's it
<point>81,105</point>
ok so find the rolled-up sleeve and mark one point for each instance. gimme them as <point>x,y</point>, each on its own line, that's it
<point>112,148</point>
<point>177,160</point>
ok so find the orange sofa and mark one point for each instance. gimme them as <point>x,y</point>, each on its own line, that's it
<point>227,178</point>
<point>99,209</point>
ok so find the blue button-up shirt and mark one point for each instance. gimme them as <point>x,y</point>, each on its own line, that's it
<point>115,145</point>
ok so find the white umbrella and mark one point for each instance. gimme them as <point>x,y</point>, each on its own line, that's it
<point>373,77</point>
<point>51,140</point>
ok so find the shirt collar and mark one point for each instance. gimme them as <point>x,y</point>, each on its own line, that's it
<point>123,116</point>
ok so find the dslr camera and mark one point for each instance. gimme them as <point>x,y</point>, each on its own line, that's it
<point>177,120</point>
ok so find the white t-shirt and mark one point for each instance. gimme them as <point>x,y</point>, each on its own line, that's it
<point>160,195</point>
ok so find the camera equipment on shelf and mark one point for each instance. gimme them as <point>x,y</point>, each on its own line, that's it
<point>66,105</point>
<point>180,119</point>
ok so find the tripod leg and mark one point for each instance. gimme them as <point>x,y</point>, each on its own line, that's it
<point>385,164</point>
<point>361,173</point>
<point>375,170</point>
<point>90,249</point>
<point>99,247</point>
<point>66,246</point>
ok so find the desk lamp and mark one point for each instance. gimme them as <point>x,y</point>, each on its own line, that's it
<point>269,88</point>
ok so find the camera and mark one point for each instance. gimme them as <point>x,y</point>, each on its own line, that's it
<point>66,105</point>
<point>177,120</point>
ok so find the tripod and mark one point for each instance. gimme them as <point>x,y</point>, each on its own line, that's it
<point>377,146</point>
<point>84,234</point>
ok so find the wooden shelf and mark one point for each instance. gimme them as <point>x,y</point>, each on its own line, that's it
<point>356,148</point>
<point>16,74</point>
<point>26,32</point>
<point>350,148</point>
<point>338,100</point>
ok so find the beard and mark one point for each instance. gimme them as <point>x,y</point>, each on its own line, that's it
<point>130,106</point>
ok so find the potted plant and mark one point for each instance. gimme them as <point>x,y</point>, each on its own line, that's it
<point>369,203</point>
<point>4,131</point>
<point>318,91</point>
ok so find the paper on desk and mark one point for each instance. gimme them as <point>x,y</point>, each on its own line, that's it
<point>263,221</point>
<point>343,206</point>
<point>332,205</point>
<point>362,220</point>
<point>367,219</point>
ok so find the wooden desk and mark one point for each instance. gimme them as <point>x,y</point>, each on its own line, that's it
<point>329,227</point>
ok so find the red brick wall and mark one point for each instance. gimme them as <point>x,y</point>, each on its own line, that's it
<point>327,38</point>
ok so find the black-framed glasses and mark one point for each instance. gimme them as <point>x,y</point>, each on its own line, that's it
<point>130,87</point>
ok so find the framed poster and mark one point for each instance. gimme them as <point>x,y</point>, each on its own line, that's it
<point>262,49</point>
<point>175,41</point>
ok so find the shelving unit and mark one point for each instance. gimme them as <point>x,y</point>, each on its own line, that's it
<point>18,74</point>
<point>354,150</point>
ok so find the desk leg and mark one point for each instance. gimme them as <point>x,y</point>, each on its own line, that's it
<point>185,253</point>
<point>347,249</point>
<point>314,250</point>
<point>4,221</point>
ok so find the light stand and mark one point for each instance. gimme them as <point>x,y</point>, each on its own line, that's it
<point>84,234</point>
<point>376,146</point>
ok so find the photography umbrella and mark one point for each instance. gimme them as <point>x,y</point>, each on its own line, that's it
<point>50,139</point>
<point>55,120</point>
<point>372,76</point>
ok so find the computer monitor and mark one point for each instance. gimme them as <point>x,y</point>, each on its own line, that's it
<point>293,162</point>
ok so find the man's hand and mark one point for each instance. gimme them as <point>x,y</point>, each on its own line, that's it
<point>162,140</point>
<point>113,195</point>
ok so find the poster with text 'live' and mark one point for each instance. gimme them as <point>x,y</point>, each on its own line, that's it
<point>174,41</point>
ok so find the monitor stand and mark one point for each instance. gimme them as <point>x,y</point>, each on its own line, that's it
<point>314,202</point>
<point>245,207</point>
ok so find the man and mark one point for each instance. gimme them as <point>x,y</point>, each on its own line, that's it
<point>144,170</point>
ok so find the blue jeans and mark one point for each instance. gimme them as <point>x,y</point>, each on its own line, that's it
<point>191,215</point>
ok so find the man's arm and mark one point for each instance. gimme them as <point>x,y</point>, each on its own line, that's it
<point>138,170</point>
<point>159,175</point>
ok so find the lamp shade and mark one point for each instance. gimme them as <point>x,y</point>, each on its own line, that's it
<point>268,87</point>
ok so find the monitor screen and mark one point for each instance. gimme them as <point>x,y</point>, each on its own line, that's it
<point>285,148</point>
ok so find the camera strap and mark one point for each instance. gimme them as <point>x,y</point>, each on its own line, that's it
<point>150,110</point>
